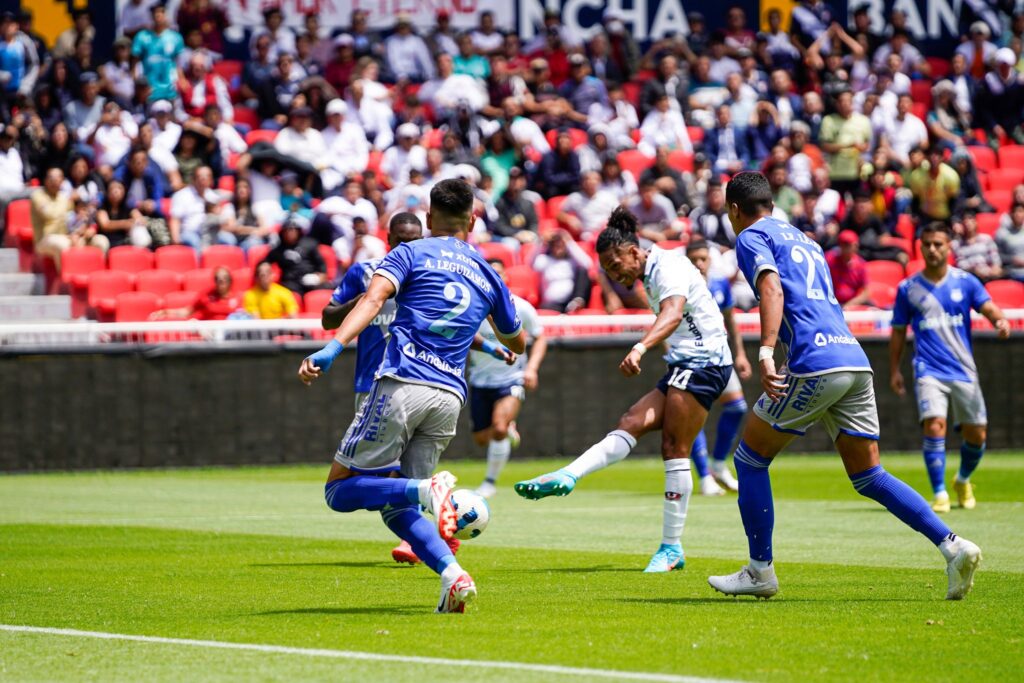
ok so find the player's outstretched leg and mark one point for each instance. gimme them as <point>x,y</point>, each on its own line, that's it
<point>699,455</point>
<point>934,448</point>
<point>610,450</point>
<point>729,422</point>
<point>757,511</point>
<point>971,451</point>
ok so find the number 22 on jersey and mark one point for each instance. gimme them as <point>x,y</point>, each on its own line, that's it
<point>803,255</point>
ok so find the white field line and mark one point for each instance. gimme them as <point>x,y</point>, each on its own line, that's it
<point>367,656</point>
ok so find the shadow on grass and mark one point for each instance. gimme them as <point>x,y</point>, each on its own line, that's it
<point>357,565</point>
<point>729,600</point>
<point>595,569</point>
<point>342,611</point>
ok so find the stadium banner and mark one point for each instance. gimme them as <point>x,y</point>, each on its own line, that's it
<point>338,13</point>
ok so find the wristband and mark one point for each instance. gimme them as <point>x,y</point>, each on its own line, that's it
<point>325,356</point>
<point>496,350</point>
<point>765,353</point>
<point>640,348</point>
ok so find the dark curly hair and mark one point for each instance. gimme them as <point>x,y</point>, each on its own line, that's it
<point>622,228</point>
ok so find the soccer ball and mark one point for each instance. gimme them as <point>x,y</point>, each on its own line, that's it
<point>472,514</point>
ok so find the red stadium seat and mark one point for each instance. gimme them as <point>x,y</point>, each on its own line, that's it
<point>180,299</point>
<point>176,257</point>
<point>882,295</point>
<point>241,280</point>
<point>631,89</point>
<point>696,134</point>
<point>247,117</point>
<point>984,157</point>
<point>497,251</point>
<point>1011,156</point>
<point>260,135</point>
<point>159,282</point>
<point>905,227</point>
<point>226,183</point>
<point>885,272</point>
<point>679,160</point>
<point>315,300</point>
<point>555,205</point>
<point>1000,200</point>
<point>256,254</point>
<point>104,286</point>
<point>921,91</point>
<point>635,162</point>
<point>331,261</point>
<point>940,67</point>
<point>915,267</point>
<point>225,255</point>
<point>988,223</point>
<point>77,263</point>
<point>129,259</point>
<point>1004,178</point>
<point>19,214</point>
<point>524,282</point>
<point>231,71</point>
<point>198,280</point>
<point>133,307</point>
<point>579,137</point>
<point>1006,293</point>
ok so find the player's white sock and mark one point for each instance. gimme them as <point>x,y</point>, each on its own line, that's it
<point>497,456</point>
<point>451,572</point>
<point>605,452</point>
<point>678,487</point>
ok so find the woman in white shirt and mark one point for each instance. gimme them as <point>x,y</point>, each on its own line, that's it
<point>664,127</point>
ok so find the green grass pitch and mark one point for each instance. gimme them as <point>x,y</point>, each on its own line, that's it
<point>254,556</point>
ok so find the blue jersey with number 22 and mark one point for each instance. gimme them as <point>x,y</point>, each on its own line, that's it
<point>813,328</point>
<point>445,291</point>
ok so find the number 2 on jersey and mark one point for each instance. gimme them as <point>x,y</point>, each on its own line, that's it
<point>802,255</point>
<point>459,293</point>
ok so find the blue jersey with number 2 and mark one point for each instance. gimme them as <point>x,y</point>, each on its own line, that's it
<point>813,328</point>
<point>445,291</point>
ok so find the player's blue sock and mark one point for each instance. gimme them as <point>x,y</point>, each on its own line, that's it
<point>901,500</point>
<point>370,493</point>
<point>699,454</point>
<point>757,510</point>
<point>728,427</point>
<point>419,532</point>
<point>935,461</point>
<point>970,456</point>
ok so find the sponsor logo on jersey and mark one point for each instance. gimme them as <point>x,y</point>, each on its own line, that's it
<point>957,295</point>
<point>808,392</point>
<point>432,359</point>
<point>936,322</point>
<point>822,339</point>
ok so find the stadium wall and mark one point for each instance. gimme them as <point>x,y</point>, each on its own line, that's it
<point>168,408</point>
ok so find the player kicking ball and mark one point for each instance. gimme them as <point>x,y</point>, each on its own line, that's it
<point>828,380</point>
<point>719,479</point>
<point>938,302</point>
<point>699,366</point>
<point>497,390</point>
<point>444,291</point>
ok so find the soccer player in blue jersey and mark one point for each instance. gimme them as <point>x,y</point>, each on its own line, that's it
<point>444,290</point>
<point>689,323</point>
<point>937,302</point>
<point>828,379</point>
<point>719,479</point>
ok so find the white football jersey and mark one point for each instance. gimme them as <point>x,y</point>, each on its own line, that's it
<point>486,371</point>
<point>700,340</point>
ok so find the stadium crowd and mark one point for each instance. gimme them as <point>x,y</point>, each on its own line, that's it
<point>299,155</point>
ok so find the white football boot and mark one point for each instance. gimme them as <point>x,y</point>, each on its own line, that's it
<point>456,593</point>
<point>486,490</point>
<point>961,567</point>
<point>747,581</point>
<point>720,471</point>
<point>439,503</point>
<point>710,487</point>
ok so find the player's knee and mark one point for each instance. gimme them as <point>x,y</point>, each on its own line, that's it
<point>499,431</point>
<point>976,435</point>
<point>482,437</point>
<point>335,496</point>
<point>674,447</point>
<point>935,427</point>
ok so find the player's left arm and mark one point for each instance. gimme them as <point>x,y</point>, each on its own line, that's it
<point>740,362</point>
<point>996,317</point>
<point>769,288</point>
<point>496,350</point>
<point>665,324</point>
<point>366,309</point>
<point>505,322</point>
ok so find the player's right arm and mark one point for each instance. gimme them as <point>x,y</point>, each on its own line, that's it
<point>667,322</point>
<point>505,322</point>
<point>901,313</point>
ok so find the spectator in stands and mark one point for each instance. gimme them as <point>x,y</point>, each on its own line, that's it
<point>517,215</point>
<point>976,252</point>
<point>720,63</point>
<point>219,303</point>
<point>112,137</point>
<point>442,38</point>
<point>487,40</point>
<point>586,211</point>
<point>298,256</point>
<point>559,171</point>
<point>286,78</point>
<point>135,16</point>
<point>282,39</point>
<point>83,113</point>
<point>118,75</point>
<point>447,90</point>
<point>913,62</point>
<point>711,221</point>
<point>971,196</point>
<point>338,71</point>
<point>201,88</point>
<point>978,52</point>
<point>964,84</point>
<point>50,210</point>
<point>12,173</point>
<point>814,223</point>
<point>593,154</point>
<point>266,299</point>
<point>81,182</point>
<point>407,55</point>
<point>845,136</point>
<point>949,126</point>
<point>366,41</point>
<point>668,180</point>
<point>299,140</point>
<point>999,100</point>
<point>582,90</point>
<point>655,214</point>
<point>20,59</point>
<point>468,62</point>
<point>81,28</point>
<point>904,132</point>
<point>207,18</point>
<point>119,223</point>
<point>935,187</point>
<point>239,218</point>
<point>669,80</point>
<point>726,144</point>
<point>785,197</point>
<point>195,209</point>
<point>765,133</point>
<point>664,127</point>
<point>370,100</point>
<point>157,50</point>
<point>849,271</point>
<point>563,267</point>
<point>407,154</point>
<point>345,144</point>
<point>1010,240</point>
<point>874,239</point>
<point>621,184</point>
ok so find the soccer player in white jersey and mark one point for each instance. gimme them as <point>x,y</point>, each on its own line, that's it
<point>828,380</point>
<point>938,302</point>
<point>497,390</point>
<point>699,366</point>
